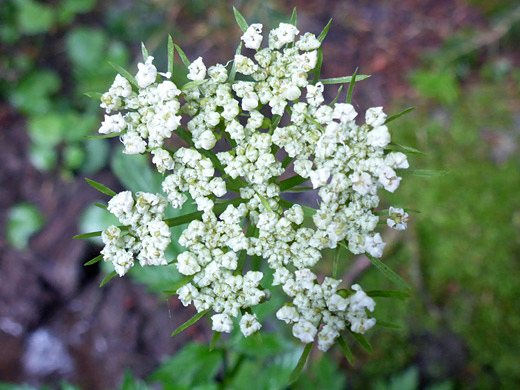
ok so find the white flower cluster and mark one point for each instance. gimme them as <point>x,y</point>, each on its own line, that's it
<point>145,237</point>
<point>345,161</point>
<point>151,112</point>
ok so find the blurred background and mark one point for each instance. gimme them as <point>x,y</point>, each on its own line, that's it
<point>457,62</point>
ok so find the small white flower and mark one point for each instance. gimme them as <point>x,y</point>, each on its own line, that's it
<point>249,324</point>
<point>375,116</point>
<point>147,73</point>
<point>197,70</point>
<point>397,218</point>
<point>305,331</point>
<point>288,314</point>
<point>222,323</point>
<point>253,36</point>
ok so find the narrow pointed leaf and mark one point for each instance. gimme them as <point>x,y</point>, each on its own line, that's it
<point>346,350</point>
<point>335,263</point>
<point>301,363</point>
<point>427,172</point>
<point>274,123</point>
<point>241,21</point>
<point>108,278</point>
<point>87,235</point>
<point>350,90</point>
<point>362,341</point>
<point>385,270</point>
<point>104,136</point>
<point>93,95</point>
<point>294,17</point>
<point>101,206</point>
<point>233,71</point>
<point>131,79</point>
<point>144,51</point>
<point>190,322</point>
<point>402,295</point>
<point>317,69</point>
<point>387,324</point>
<point>325,31</point>
<point>214,340</point>
<point>184,59</point>
<point>94,260</point>
<point>264,202</point>
<point>394,117</point>
<point>179,284</point>
<point>171,53</point>
<point>333,103</point>
<point>343,80</point>
<point>183,219</point>
<point>404,148</point>
<point>192,84</point>
<point>291,182</point>
<point>412,211</point>
<point>286,161</point>
<point>100,187</point>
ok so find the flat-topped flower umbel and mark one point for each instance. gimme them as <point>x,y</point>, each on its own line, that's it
<point>237,145</point>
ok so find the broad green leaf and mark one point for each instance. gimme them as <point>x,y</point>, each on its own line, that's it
<point>94,260</point>
<point>86,48</point>
<point>184,59</point>
<point>101,188</point>
<point>32,95</point>
<point>131,79</point>
<point>214,340</point>
<point>402,295</point>
<point>241,21</point>
<point>190,322</point>
<point>385,270</point>
<point>343,80</point>
<point>134,172</point>
<point>301,364</point>
<point>346,350</point>
<point>144,51</point>
<point>191,368</point>
<point>350,90</point>
<point>294,17</point>
<point>394,117</point>
<point>362,341</point>
<point>108,278</point>
<point>43,157</point>
<point>97,153</point>
<point>23,220</point>
<point>325,31</point>
<point>233,71</point>
<point>171,53</point>
<point>34,17</point>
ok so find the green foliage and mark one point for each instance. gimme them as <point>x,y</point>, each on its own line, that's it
<point>23,220</point>
<point>194,367</point>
